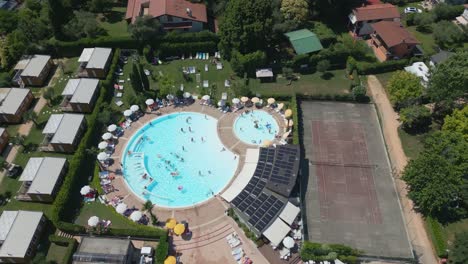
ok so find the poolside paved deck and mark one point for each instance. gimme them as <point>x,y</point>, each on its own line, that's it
<point>207,221</point>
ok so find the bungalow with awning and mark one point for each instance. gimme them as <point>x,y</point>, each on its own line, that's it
<point>80,95</point>
<point>13,103</point>
<point>63,132</point>
<point>95,62</point>
<point>32,70</point>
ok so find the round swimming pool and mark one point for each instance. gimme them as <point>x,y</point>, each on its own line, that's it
<point>255,127</point>
<point>178,160</point>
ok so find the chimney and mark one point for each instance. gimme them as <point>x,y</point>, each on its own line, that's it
<point>189,12</point>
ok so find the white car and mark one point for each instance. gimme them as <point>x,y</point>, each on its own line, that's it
<point>410,10</point>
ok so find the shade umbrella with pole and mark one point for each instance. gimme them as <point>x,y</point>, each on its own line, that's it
<point>121,208</point>
<point>288,242</point>
<point>271,100</point>
<point>103,145</point>
<point>288,113</point>
<point>179,229</point>
<point>206,97</point>
<point>107,136</point>
<point>186,95</point>
<point>170,260</point>
<point>111,128</point>
<point>134,108</point>
<point>169,97</point>
<point>136,216</point>
<point>85,190</point>
<point>255,100</point>
<point>149,102</point>
<point>171,223</point>
<point>93,221</point>
<point>244,99</point>
<point>127,113</point>
<point>235,100</point>
<point>102,156</point>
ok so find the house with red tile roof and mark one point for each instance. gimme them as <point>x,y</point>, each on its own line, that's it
<point>180,15</point>
<point>390,40</point>
<point>361,18</point>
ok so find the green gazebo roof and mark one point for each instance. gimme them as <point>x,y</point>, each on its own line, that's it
<point>304,41</point>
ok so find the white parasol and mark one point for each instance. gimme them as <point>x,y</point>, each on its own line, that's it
<point>127,113</point>
<point>93,221</point>
<point>255,100</point>
<point>280,106</point>
<point>136,216</point>
<point>288,242</point>
<point>244,99</point>
<point>206,97</point>
<point>187,95</point>
<point>149,101</point>
<point>107,136</point>
<point>111,128</point>
<point>134,108</point>
<point>235,100</point>
<point>85,190</point>
<point>103,145</point>
<point>121,208</point>
<point>170,97</point>
<point>271,100</point>
<point>102,156</point>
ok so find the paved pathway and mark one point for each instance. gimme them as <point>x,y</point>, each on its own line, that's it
<point>414,222</point>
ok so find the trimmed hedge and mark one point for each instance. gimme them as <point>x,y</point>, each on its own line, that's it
<point>168,49</point>
<point>70,243</point>
<point>295,117</point>
<point>162,250</point>
<point>437,235</point>
<point>364,68</point>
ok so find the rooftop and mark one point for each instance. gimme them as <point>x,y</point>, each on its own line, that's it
<point>393,33</point>
<point>17,229</point>
<point>11,99</point>
<point>101,249</point>
<point>377,11</point>
<point>96,58</point>
<point>32,65</point>
<point>304,41</point>
<point>81,90</point>
<point>178,8</point>
<point>43,173</point>
<point>64,127</point>
<point>441,56</point>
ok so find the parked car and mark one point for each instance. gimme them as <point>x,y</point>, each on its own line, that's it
<point>411,9</point>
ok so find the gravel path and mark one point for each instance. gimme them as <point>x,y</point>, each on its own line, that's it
<point>414,222</point>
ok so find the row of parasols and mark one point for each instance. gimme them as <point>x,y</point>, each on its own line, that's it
<point>133,109</point>
<point>177,228</point>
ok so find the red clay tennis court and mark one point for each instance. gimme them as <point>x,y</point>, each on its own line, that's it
<point>344,176</point>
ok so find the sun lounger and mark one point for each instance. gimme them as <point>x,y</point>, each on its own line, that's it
<point>237,251</point>
<point>207,56</point>
<point>205,84</point>
<point>206,67</point>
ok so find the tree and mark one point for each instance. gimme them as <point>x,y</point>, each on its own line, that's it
<point>245,27</point>
<point>18,140</point>
<point>447,34</point>
<point>447,12</point>
<point>143,77</point>
<point>49,95</point>
<point>82,25</point>
<point>247,63</point>
<point>33,26</point>
<point>145,29</point>
<point>100,6</point>
<point>30,116</point>
<point>58,16</point>
<point>135,78</point>
<point>8,21</point>
<point>296,10</point>
<point>404,88</point>
<point>457,122</point>
<point>12,48</point>
<point>148,205</point>
<point>436,177</point>
<point>424,21</point>
<point>104,117</point>
<point>459,250</point>
<point>449,81</point>
<point>360,94</point>
<point>165,86</point>
<point>288,73</point>
<point>323,66</point>
<point>416,118</point>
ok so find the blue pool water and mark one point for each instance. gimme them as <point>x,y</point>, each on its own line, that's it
<point>247,131</point>
<point>184,172</point>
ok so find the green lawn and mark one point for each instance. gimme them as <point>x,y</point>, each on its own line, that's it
<point>454,228</point>
<point>114,22</point>
<point>427,40</point>
<point>103,212</point>
<point>412,144</point>
<point>56,253</point>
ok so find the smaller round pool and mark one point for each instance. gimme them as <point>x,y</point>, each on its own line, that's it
<point>255,127</point>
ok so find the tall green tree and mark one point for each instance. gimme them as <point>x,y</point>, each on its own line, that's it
<point>437,177</point>
<point>415,118</point>
<point>449,81</point>
<point>100,6</point>
<point>404,88</point>
<point>459,250</point>
<point>247,63</point>
<point>33,26</point>
<point>82,25</point>
<point>144,79</point>
<point>457,122</point>
<point>59,14</point>
<point>8,21</point>
<point>295,10</point>
<point>246,26</point>
<point>135,78</point>
<point>12,48</point>
<point>448,35</point>
<point>145,29</point>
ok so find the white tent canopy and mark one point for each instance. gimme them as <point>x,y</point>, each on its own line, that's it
<point>121,208</point>
<point>134,108</point>
<point>239,182</point>
<point>85,190</point>
<point>111,128</point>
<point>289,213</point>
<point>149,101</point>
<point>277,231</point>
<point>252,155</point>
<point>102,145</point>
<point>102,156</point>
<point>93,221</point>
<point>136,216</point>
<point>127,113</point>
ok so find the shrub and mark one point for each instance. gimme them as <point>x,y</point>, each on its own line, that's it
<point>447,12</point>
<point>437,235</point>
<point>70,243</point>
<point>360,94</point>
<point>415,118</point>
<point>162,250</point>
<point>365,68</point>
<point>295,109</point>
<point>321,252</point>
<point>247,63</point>
<point>323,66</point>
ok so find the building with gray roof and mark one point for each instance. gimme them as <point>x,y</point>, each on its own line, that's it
<point>63,131</point>
<point>79,95</point>
<point>13,103</point>
<point>32,70</point>
<point>105,250</point>
<point>19,235</point>
<point>94,62</point>
<point>41,179</point>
